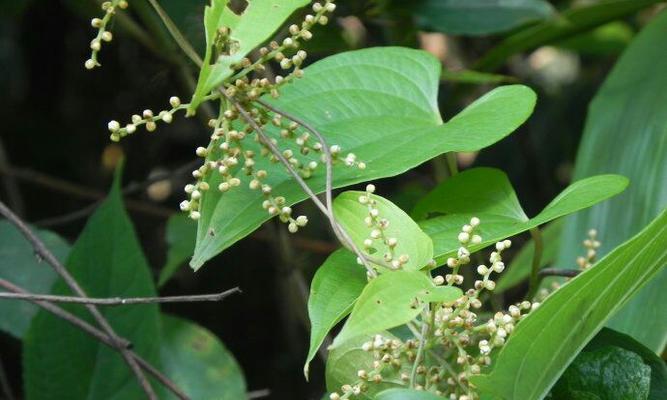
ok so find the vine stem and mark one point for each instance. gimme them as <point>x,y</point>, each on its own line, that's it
<point>325,209</point>
<point>113,301</point>
<point>44,253</point>
<point>536,234</point>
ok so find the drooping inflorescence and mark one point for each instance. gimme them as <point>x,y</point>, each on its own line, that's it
<point>245,133</point>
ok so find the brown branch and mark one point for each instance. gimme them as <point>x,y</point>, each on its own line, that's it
<point>115,301</point>
<point>569,273</point>
<point>101,337</point>
<point>45,254</point>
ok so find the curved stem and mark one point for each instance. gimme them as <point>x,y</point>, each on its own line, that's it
<point>536,234</point>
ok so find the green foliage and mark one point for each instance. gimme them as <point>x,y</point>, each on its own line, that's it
<point>258,22</point>
<point>19,265</point>
<point>412,241</point>
<point>480,17</point>
<point>346,97</point>
<point>475,77</point>
<point>335,287</point>
<point>608,39</point>
<point>63,362</point>
<point>625,133</point>
<point>198,362</point>
<point>180,237</point>
<point>393,299</point>
<point>569,23</point>
<point>546,341</point>
<point>487,194</point>
<point>609,372</point>
<point>520,267</point>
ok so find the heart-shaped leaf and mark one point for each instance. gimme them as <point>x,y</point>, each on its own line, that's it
<point>392,128</point>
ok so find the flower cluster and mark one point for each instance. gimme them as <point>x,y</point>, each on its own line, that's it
<point>103,35</point>
<point>378,226</point>
<point>231,160</point>
<point>455,343</point>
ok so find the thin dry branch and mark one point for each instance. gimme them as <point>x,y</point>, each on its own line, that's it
<point>568,273</point>
<point>45,254</point>
<point>115,301</point>
<point>102,337</point>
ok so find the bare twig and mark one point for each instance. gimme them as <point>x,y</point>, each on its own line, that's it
<point>4,384</point>
<point>44,253</point>
<point>115,301</point>
<point>102,337</point>
<point>568,273</point>
<point>258,394</point>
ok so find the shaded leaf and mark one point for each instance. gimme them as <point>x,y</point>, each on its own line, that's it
<point>569,23</point>
<point>480,17</point>
<point>625,134</point>
<point>198,362</point>
<point>609,337</point>
<point>335,287</point>
<point>549,338</point>
<point>475,77</point>
<point>63,362</point>
<point>392,128</point>
<point>411,240</point>
<point>609,372</point>
<point>20,265</point>
<point>393,299</point>
<point>180,236</point>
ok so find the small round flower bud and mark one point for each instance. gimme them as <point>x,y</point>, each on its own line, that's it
<point>174,101</point>
<point>195,215</point>
<point>148,114</point>
<point>185,205</point>
<point>331,7</point>
<point>464,237</point>
<point>96,22</point>
<point>224,186</point>
<point>201,151</point>
<point>302,220</point>
<point>167,118</point>
<point>151,126</point>
<point>439,280</point>
<point>474,222</point>
<point>95,45</point>
<point>292,227</point>
<point>107,36</point>
<point>370,188</point>
<point>90,64</point>
<point>476,239</point>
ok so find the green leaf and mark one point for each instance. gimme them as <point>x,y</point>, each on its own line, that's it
<point>212,21</point>
<point>344,362</point>
<point>480,17</point>
<point>608,337</point>
<point>61,361</point>
<point>180,236</point>
<point>625,134</point>
<point>487,194</point>
<point>406,394</point>
<point>393,299</point>
<point>392,128</point>
<point>520,267</point>
<point>483,190</point>
<point>198,362</point>
<point>412,241</point>
<point>335,287</point>
<point>253,27</point>
<point>610,373</point>
<point>567,24</point>
<point>20,265</point>
<point>544,343</point>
